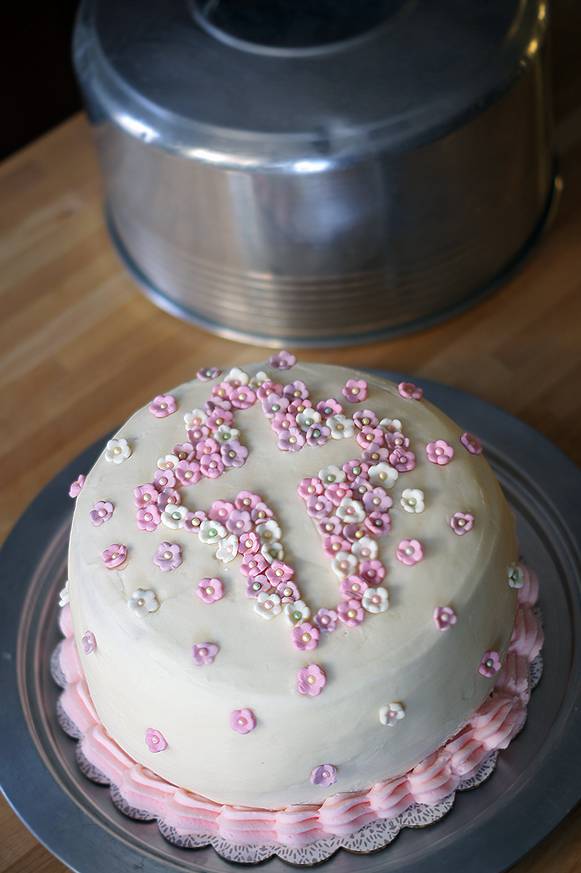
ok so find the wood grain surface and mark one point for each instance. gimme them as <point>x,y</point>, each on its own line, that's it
<point>81,348</point>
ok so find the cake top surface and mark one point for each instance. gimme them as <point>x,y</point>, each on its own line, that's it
<point>267,542</point>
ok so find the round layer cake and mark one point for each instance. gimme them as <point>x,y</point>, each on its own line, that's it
<point>289,581</point>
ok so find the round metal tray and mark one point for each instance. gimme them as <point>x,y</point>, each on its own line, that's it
<point>537,780</point>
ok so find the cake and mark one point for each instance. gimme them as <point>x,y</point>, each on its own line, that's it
<point>294,597</point>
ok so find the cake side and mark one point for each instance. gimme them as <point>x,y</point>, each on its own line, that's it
<point>141,672</point>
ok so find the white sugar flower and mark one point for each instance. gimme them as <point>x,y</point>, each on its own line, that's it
<point>331,474</point>
<point>392,713</point>
<point>268,532</point>
<point>412,500</point>
<point>272,552</point>
<point>350,510</point>
<point>375,600</point>
<point>117,451</point>
<point>307,418</point>
<point>365,549</point>
<point>210,531</point>
<point>296,612</point>
<point>267,605</point>
<point>344,564</point>
<point>195,418</point>
<point>237,375</point>
<point>225,433</point>
<point>142,601</point>
<point>174,516</point>
<point>340,426</point>
<point>167,462</point>
<point>227,549</point>
<point>64,595</point>
<point>391,425</point>
<point>259,379</point>
<point>383,474</point>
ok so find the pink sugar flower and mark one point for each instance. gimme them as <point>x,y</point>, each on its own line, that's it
<point>409,552</point>
<point>218,418</point>
<point>155,740</point>
<point>355,390</point>
<point>163,405</point>
<point>409,391</point>
<point>326,620</point>
<point>373,572</point>
<point>353,587</point>
<point>288,592</point>
<point>375,453</point>
<point>148,518</point>
<point>218,403</point>
<point>76,486</point>
<point>331,525</point>
<point>207,446</point>
<point>305,636</point>
<point>164,479</point>
<point>397,440</point>
<point>350,612</point>
<point>378,523</point>
<point>355,469</point>
<point>243,721</point>
<point>296,390</point>
<point>361,485</point>
<point>88,642</point>
<point>206,374</point>
<point>319,506</point>
<point>188,473</point>
<point>221,391</point>
<point>462,522</point>
<point>365,418</point>
<point>367,436</point>
<point>168,556</point>
<point>183,451</point>
<point>377,500</point>
<point>403,461</point>
<point>282,360</point>
<point>439,452</point>
<point>291,441</point>
<point>299,405</point>
<point>242,397</point>
<point>210,590</point>
<point>211,466</point>
<point>234,454</point>
<point>318,435</point>
<point>490,664</point>
<point>471,443</point>
<point>337,492</point>
<point>282,421</point>
<point>334,544</point>
<point>255,585</point>
<point>247,500</point>
<point>329,407</point>
<point>220,510</point>
<point>355,531</point>
<point>193,521</point>
<point>253,565</point>
<point>114,555</point>
<point>324,774</point>
<point>238,521</point>
<point>279,572</point>
<point>311,680</point>
<point>261,512</point>
<point>167,496</point>
<point>145,495</point>
<point>197,433</point>
<point>310,487</point>
<point>101,512</point>
<point>248,544</point>
<point>444,617</point>
<point>274,405</point>
<point>204,653</point>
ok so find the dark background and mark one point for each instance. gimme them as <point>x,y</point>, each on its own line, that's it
<point>37,85</point>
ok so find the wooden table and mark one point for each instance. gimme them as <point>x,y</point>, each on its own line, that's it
<point>81,348</point>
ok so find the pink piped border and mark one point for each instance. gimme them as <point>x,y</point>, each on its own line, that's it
<point>491,728</point>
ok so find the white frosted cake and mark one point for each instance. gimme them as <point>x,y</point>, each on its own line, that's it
<point>289,584</point>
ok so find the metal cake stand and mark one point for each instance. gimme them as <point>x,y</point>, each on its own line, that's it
<point>537,780</point>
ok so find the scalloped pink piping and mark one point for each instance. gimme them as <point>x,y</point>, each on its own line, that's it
<point>491,728</point>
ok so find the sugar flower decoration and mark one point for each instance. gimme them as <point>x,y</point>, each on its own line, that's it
<point>462,522</point>
<point>148,518</point>
<point>490,664</point>
<point>206,374</point>
<point>282,360</point>
<point>444,617</point>
<point>383,474</point>
<point>163,405</point>
<point>204,653</point>
<point>76,486</point>
<point>236,377</point>
<point>311,680</point>
<point>350,612</point>
<point>324,774</point>
<point>412,500</point>
<point>168,556</point>
<point>471,443</point>
<point>439,452</point>
<point>296,611</point>
<point>210,590</point>
<point>267,605</point>
<point>155,740</point>
<point>350,510</point>
<point>391,425</point>
<point>142,601</point>
<point>243,721</point>
<point>365,548</point>
<point>390,714</point>
<point>344,564</point>
<point>88,642</point>
<point>144,495</point>
<point>305,637</point>
<point>114,556</point>
<point>268,531</point>
<point>375,600</point>
<point>340,426</point>
<point>331,475</point>
<point>409,552</point>
<point>174,516</point>
<point>227,549</point>
<point>353,587</point>
<point>64,598</point>
<point>211,531</point>
<point>409,391</point>
<point>355,390</point>
<point>101,512</point>
<point>117,451</point>
<point>326,620</point>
